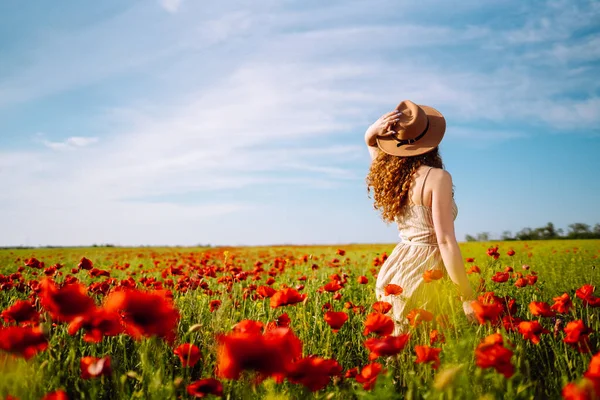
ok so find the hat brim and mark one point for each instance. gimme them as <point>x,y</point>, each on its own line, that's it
<point>433,137</point>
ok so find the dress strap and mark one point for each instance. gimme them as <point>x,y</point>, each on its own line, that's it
<point>423,185</point>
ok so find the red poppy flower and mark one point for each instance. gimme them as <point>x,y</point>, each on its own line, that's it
<point>531,330</point>
<point>92,367</point>
<point>144,313</point>
<point>418,316</point>
<point>474,270</point>
<point>511,323</point>
<point>66,303</point>
<point>23,341</point>
<point>392,289</point>
<point>58,395</point>
<point>97,324</point>
<point>362,280</point>
<point>493,252</point>
<point>531,279</point>
<point>351,373</point>
<point>189,354</point>
<point>205,387</point>
<point>268,354</point>
<point>387,346</point>
<point>368,375</point>
<point>313,372</point>
<point>510,252</point>
<point>578,336</point>
<point>286,297</point>
<point>470,259</point>
<point>487,312</point>
<point>436,336</point>
<point>249,326</point>
<point>521,282</point>
<point>433,275</point>
<point>427,354</point>
<point>336,319</point>
<point>581,391</point>
<point>492,354</point>
<point>562,304</point>
<point>332,287</point>
<point>379,324</point>
<point>585,291</point>
<point>593,372</point>
<point>214,305</point>
<point>382,306</point>
<point>501,277</point>
<point>84,263</point>
<point>34,263</point>
<point>341,252</point>
<point>541,309</point>
<point>265,291</point>
<point>21,311</point>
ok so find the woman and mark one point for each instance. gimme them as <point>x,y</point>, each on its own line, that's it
<point>411,187</point>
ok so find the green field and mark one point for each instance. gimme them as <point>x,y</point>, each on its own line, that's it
<point>148,368</point>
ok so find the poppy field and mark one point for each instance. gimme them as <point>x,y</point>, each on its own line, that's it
<point>295,322</point>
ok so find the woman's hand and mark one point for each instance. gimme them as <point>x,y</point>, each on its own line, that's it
<point>381,127</point>
<point>469,312</point>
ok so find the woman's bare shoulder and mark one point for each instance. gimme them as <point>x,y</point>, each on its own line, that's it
<point>440,176</point>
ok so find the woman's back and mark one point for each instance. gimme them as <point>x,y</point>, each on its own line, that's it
<point>416,222</point>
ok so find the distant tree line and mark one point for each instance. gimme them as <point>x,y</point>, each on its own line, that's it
<point>577,230</point>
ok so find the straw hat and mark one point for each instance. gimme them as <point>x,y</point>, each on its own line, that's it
<point>420,130</point>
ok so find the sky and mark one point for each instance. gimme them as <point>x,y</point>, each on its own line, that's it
<point>180,122</point>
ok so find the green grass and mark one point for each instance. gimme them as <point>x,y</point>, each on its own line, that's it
<point>148,368</point>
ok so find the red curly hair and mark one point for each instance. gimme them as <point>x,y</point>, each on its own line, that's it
<point>390,178</point>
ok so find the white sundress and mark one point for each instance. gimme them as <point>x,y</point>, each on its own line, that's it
<point>416,253</point>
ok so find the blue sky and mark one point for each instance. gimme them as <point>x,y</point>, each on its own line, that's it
<point>186,122</point>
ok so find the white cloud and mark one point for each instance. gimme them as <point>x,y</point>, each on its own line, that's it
<point>171,6</point>
<point>71,143</point>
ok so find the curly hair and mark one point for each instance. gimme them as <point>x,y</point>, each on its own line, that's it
<point>390,177</point>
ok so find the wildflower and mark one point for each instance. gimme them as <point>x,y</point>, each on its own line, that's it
<point>21,311</point>
<point>189,354</point>
<point>97,324</point>
<point>66,303</point>
<point>286,297</point>
<point>500,277</point>
<point>336,320</point>
<point>433,275</point>
<point>492,354</point>
<point>379,324</point>
<point>214,305</point>
<point>392,289</point>
<point>578,336</point>
<point>531,330</point>
<point>562,304</point>
<point>205,387</point>
<point>382,306</point>
<point>418,316</point>
<point>249,326</point>
<point>144,313</point>
<point>268,354</point>
<point>426,354</point>
<point>23,341</point>
<point>474,270</point>
<point>84,263</point>
<point>387,346</point>
<point>368,375</point>
<point>313,372</point>
<point>541,309</point>
<point>487,312</point>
